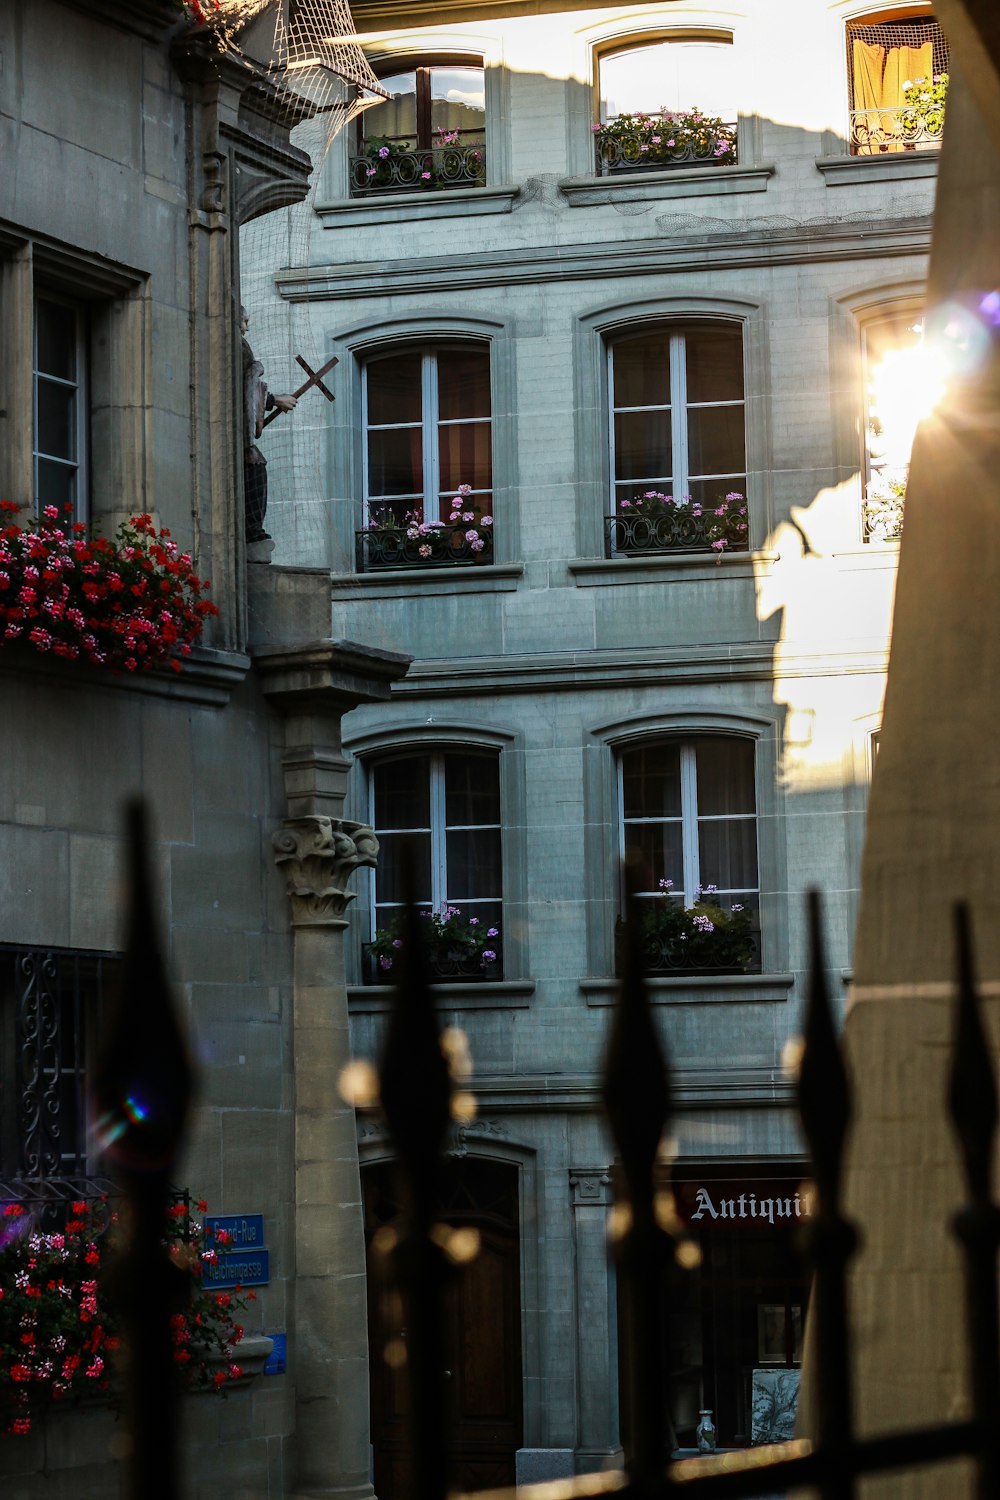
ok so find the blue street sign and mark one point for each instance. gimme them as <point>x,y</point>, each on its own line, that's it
<point>245,1231</point>
<point>275,1362</point>
<point>249,1268</point>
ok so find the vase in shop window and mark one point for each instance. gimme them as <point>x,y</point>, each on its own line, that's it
<point>705,1434</point>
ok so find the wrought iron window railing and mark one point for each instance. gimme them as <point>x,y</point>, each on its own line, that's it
<point>635,151</point>
<point>438,546</point>
<point>876,132</point>
<point>443,968</point>
<point>413,169</point>
<point>708,953</point>
<point>679,529</point>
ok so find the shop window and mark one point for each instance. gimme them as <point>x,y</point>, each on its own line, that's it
<point>897,70</point>
<point>60,404</point>
<point>51,1009</point>
<point>666,104</point>
<point>438,813</point>
<point>429,135</point>
<point>428,461</point>
<point>678,441</point>
<point>688,833</point>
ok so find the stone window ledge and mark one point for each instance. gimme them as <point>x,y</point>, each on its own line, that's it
<point>676,182</point>
<point>698,989</point>
<point>848,171</point>
<point>498,994</point>
<point>404,583</point>
<point>403,208</point>
<point>600,572</point>
<point>206,676</point>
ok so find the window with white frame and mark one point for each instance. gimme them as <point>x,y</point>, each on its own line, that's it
<point>897,79</point>
<point>430,134</point>
<point>428,458</point>
<point>902,383</point>
<point>664,103</point>
<point>60,404</point>
<point>439,810</point>
<point>678,439</point>
<point>688,812</point>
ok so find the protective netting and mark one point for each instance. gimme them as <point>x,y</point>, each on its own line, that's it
<point>898,78</point>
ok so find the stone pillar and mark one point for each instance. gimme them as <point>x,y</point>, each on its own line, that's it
<point>598,1439</point>
<point>317,856</point>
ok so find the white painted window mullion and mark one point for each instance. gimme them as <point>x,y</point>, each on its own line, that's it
<point>432,464</point>
<point>365,521</point>
<point>689,823</point>
<point>678,419</point>
<point>439,835</point>
<point>611,445</point>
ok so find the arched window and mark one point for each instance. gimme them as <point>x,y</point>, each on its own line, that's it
<point>688,830</point>
<point>897,76</point>
<point>428,457</point>
<point>900,387</point>
<point>665,104</point>
<point>678,440</point>
<point>439,808</point>
<point>431,134</point>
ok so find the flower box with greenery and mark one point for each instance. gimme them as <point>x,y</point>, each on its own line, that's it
<point>131,604</point>
<point>390,166</point>
<point>656,522</point>
<point>671,138</point>
<point>398,538</point>
<point>58,1339</point>
<point>707,937</point>
<point>458,946</point>
<point>883,508</point>
<point>921,118</point>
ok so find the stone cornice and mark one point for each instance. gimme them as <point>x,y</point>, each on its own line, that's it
<point>317,856</point>
<point>150,19</point>
<point>732,248</point>
<point>332,676</point>
<point>693,1089</point>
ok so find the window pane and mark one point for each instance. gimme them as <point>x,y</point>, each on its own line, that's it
<point>56,339</point>
<point>671,75</point>
<point>402,795</point>
<point>473,863</point>
<point>725,777</point>
<point>458,103</point>
<point>651,782</point>
<point>656,850</point>
<point>389,882</point>
<point>56,483</point>
<point>642,445</point>
<point>394,389</point>
<point>397,117</point>
<point>463,383</point>
<point>472,789</point>
<point>714,364</point>
<point>729,853</point>
<point>709,492</point>
<point>466,454</point>
<point>56,420</point>
<point>395,461</point>
<point>715,440</point>
<point>642,371</point>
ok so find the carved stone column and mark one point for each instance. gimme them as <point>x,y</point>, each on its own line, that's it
<point>317,856</point>
<point>598,1441</point>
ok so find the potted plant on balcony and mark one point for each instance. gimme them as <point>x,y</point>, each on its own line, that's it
<point>405,540</point>
<point>921,118</point>
<point>457,946</point>
<point>670,138</point>
<point>707,937</point>
<point>883,508</point>
<point>658,522</point>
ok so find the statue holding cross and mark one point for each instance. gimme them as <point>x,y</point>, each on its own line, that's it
<point>260,407</point>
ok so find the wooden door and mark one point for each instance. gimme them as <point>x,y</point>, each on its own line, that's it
<point>483,1331</point>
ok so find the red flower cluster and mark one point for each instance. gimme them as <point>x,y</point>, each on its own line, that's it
<point>58,1339</point>
<point>130,604</point>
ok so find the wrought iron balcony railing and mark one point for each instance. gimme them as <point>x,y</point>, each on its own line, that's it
<point>444,546</point>
<point>679,529</point>
<point>875,132</point>
<point>413,170</point>
<point>443,968</point>
<point>636,152</point>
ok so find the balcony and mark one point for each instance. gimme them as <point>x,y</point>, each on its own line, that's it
<point>639,142</point>
<point>434,545</point>
<point>402,167</point>
<point>914,124</point>
<point>659,524</point>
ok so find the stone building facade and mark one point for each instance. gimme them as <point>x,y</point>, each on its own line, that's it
<point>529,295</point>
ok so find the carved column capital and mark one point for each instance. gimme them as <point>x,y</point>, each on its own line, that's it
<point>318,855</point>
<point>591,1187</point>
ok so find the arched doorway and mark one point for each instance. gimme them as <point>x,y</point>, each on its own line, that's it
<point>484,1332</point>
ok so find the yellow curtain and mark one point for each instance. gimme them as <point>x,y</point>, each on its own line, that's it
<point>867,64</point>
<point>902,65</point>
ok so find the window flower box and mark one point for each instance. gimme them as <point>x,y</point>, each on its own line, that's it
<point>393,167</point>
<point>456,946</point>
<point>671,138</point>
<point>706,938</point>
<point>405,540</point>
<point>656,522</point>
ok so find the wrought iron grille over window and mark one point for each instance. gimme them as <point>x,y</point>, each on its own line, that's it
<point>52,1002</point>
<point>897,80</point>
<point>428,459</point>
<point>430,135</point>
<point>678,441</point>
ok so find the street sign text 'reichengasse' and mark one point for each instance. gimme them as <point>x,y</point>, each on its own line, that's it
<point>241,1257</point>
